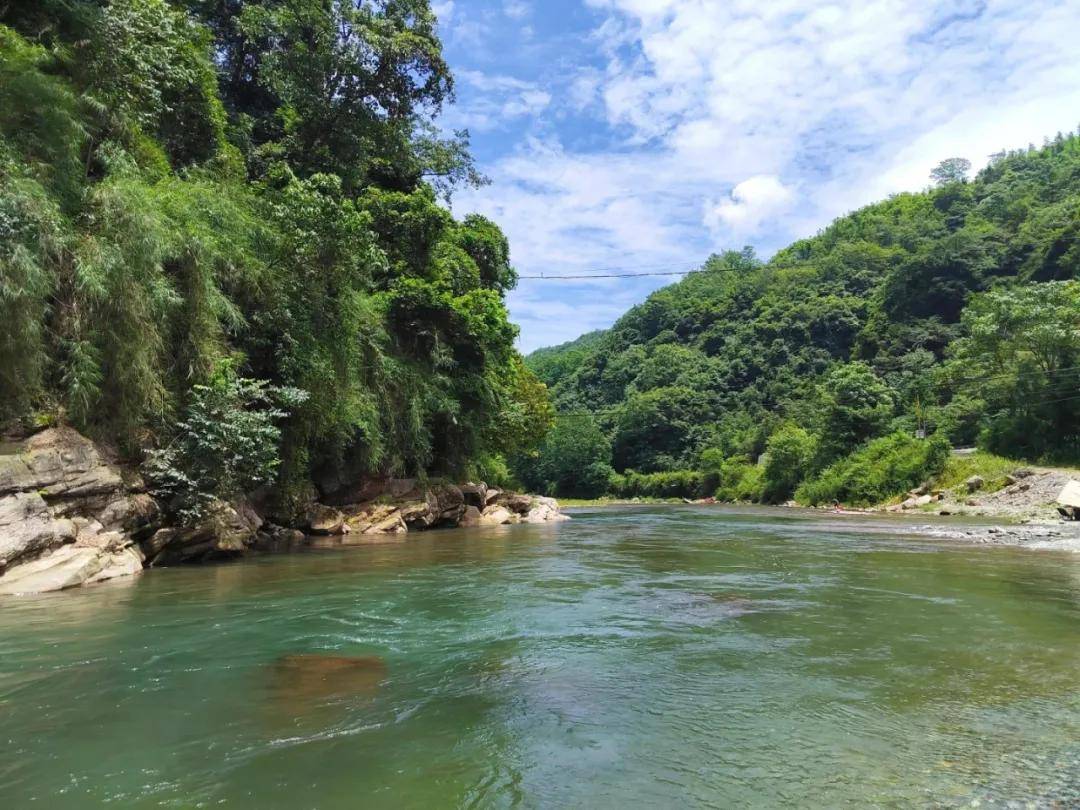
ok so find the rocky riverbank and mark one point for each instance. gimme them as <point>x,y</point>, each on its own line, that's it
<point>71,515</point>
<point>1026,500</point>
<point>1026,494</point>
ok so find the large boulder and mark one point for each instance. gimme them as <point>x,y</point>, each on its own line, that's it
<point>451,502</point>
<point>495,515</point>
<point>471,517</point>
<point>475,494</point>
<point>60,464</point>
<point>518,504</point>
<point>1070,495</point>
<point>95,555</point>
<point>322,519</point>
<point>27,528</point>
<point>544,510</point>
<point>423,513</point>
<point>391,524</point>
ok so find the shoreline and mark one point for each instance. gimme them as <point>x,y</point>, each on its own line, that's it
<point>70,515</point>
<point>962,528</point>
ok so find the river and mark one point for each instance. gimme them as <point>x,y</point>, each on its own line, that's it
<point>652,656</point>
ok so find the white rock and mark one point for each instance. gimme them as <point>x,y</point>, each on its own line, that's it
<point>1070,495</point>
<point>495,516</point>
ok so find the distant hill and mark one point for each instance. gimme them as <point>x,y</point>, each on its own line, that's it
<point>553,363</point>
<point>720,359</point>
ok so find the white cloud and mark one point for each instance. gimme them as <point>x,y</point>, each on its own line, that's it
<point>750,204</point>
<point>584,89</point>
<point>888,85</point>
<point>501,100</point>
<point>443,10</point>
<point>516,9</point>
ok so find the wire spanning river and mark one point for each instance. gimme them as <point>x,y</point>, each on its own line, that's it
<point>668,656</point>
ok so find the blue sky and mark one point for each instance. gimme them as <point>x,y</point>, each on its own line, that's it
<point>647,134</point>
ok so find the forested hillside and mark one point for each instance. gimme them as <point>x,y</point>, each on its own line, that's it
<point>955,311</point>
<point>222,244</point>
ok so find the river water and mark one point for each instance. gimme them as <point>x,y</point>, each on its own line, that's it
<point>637,657</point>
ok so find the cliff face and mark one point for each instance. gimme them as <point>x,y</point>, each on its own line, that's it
<point>70,516</point>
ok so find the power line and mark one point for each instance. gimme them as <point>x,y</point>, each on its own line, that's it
<point>543,277</point>
<point>1020,375</point>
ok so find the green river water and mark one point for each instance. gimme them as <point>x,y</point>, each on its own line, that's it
<point>634,657</point>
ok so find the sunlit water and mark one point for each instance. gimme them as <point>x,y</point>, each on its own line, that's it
<point>657,657</point>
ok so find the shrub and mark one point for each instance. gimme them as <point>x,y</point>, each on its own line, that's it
<point>739,479</point>
<point>878,470</point>
<point>789,453</point>
<point>992,469</point>
<point>225,447</point>
<point>670,484</point>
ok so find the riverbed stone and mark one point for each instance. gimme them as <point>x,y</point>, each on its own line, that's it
<point>495,516</point>
<point>975,483</point>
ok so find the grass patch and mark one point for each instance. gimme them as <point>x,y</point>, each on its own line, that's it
<point>992,468</point>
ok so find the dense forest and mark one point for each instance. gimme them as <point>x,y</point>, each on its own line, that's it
<point>951,314</point>
<point>224,247</point>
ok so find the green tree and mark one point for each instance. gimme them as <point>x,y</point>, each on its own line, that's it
<point>253,183</point>
<point>1020,355</point>
<point>660,429</point>
<point>856,406</point>
<point>789,453</point>
<point>574,460</point>
<point>951,170</point>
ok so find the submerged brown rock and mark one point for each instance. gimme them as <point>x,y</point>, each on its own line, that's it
<point>304,683</point>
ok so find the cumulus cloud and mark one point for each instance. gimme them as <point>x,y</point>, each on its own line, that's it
<point>750,204</point>
<point>516,9</point>
<point>817,87</point>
